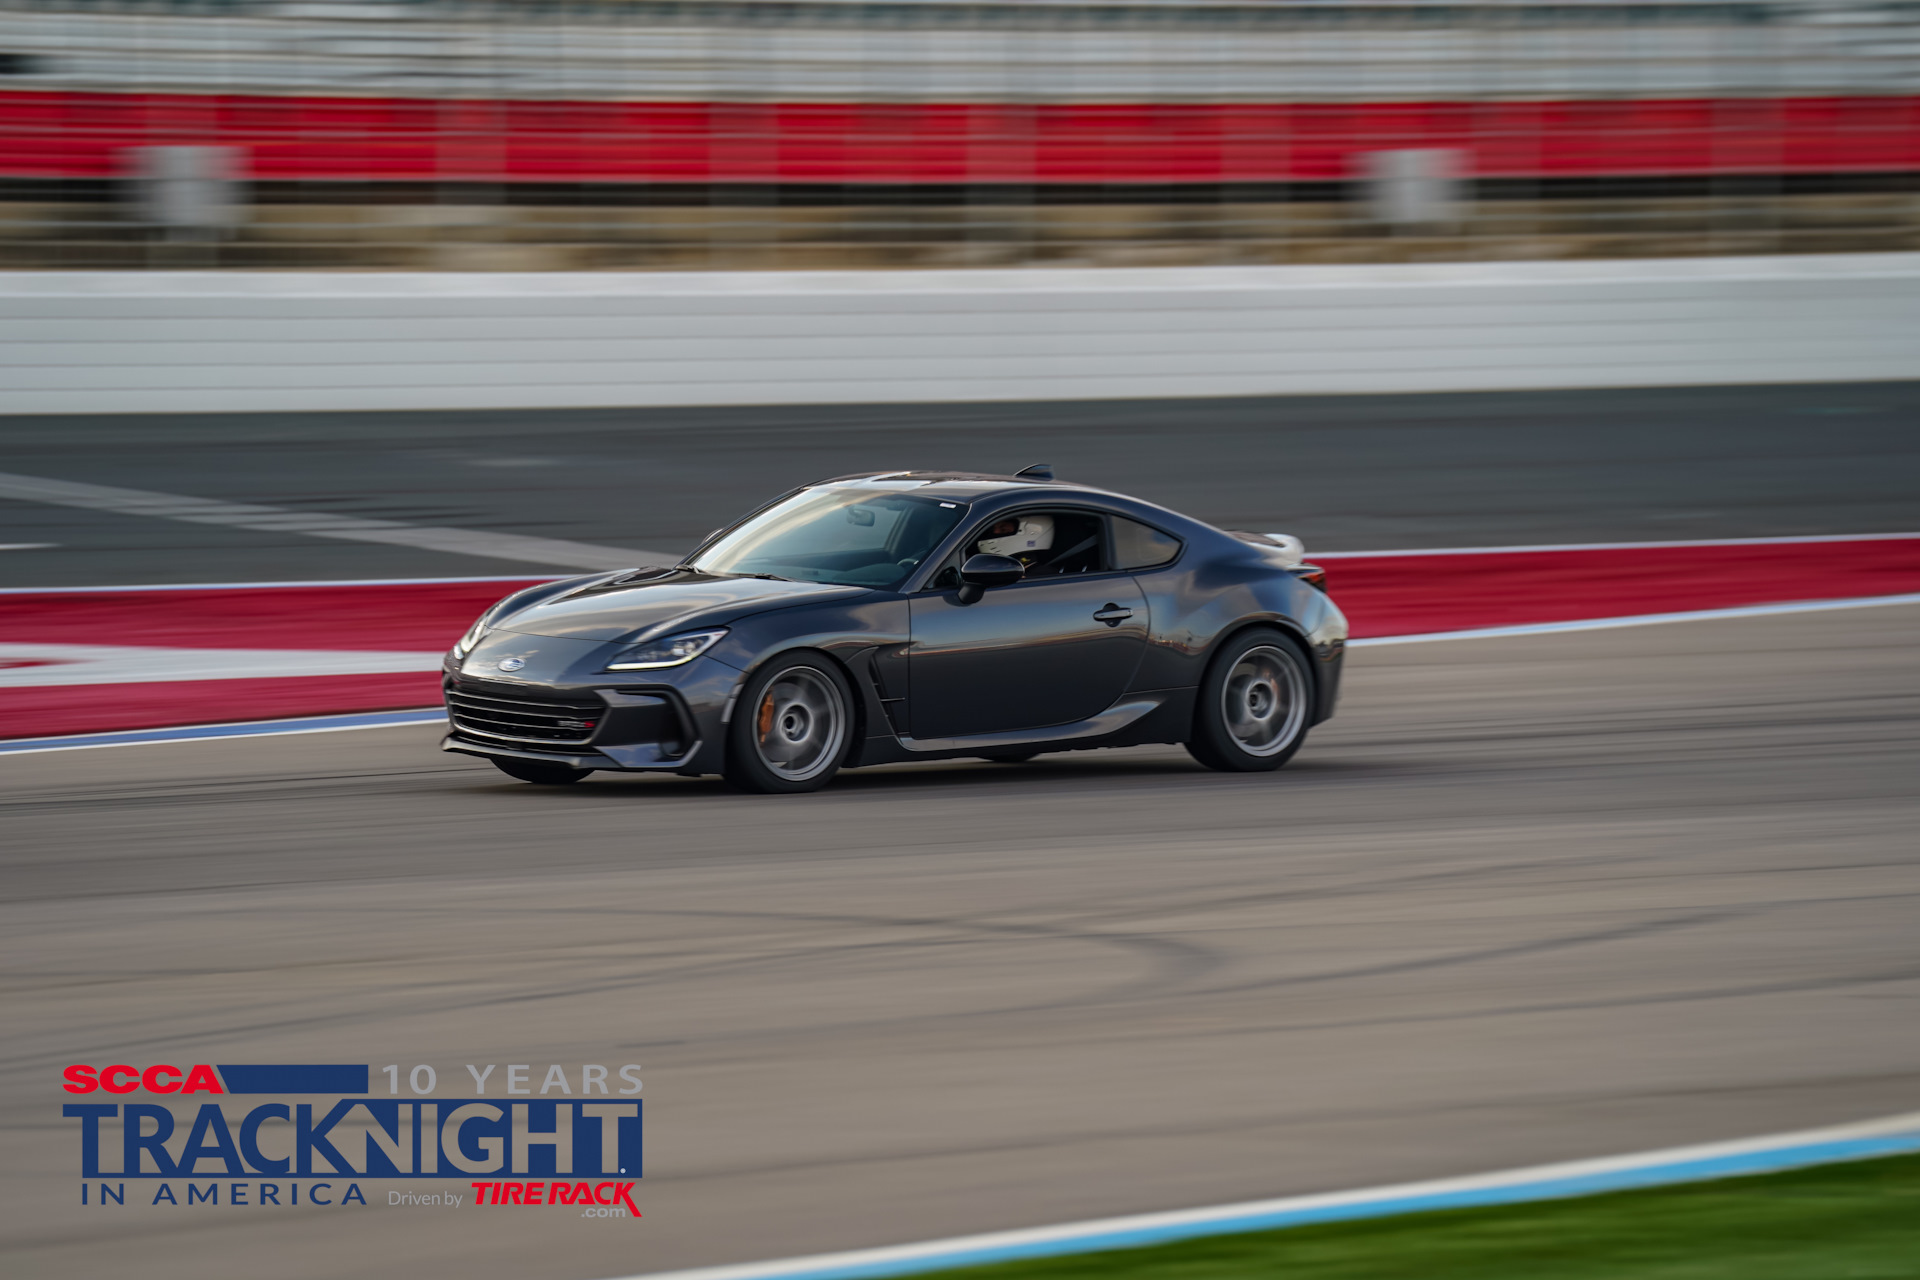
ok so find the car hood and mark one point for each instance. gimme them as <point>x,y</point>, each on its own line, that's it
<point>654,601</point>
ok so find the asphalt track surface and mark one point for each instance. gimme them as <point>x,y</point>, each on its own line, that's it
<point>1524,900</point>
<point>1344,472</point>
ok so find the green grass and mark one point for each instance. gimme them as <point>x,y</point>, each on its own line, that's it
<point>1855,1221</point>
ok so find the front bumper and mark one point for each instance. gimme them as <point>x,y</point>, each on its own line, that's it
<point>561,709</point>
<point>613,728</point>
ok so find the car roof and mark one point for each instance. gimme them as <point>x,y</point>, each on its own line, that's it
<point>968,485</point>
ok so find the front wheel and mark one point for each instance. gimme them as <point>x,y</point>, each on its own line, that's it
<point>549,775</point>
<point>791,726</point>
<point>1254,703</point>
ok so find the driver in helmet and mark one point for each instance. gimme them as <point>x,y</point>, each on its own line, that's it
<point>1026,538</point>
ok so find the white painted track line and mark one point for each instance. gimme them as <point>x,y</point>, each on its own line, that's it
<point>39,666</point>
<point>264,586</point>
<point>1789,540</point>
<point>1640,620</point>
<point>246,515</point>
<point>1892,1135</point>
<point>205,732</point>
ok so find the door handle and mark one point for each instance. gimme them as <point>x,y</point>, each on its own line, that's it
<point>1112,614</point>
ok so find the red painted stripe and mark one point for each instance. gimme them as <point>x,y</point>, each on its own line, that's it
<point>397,616</point>
<point>68,709</point>
<point>1389,596</point>
<point>1381,595</point>
<point>56,134</point>
<point>386,616</point>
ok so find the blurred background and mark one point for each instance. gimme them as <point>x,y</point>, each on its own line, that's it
<point>440,134</point>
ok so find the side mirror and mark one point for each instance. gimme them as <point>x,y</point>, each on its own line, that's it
<point>983,571</point>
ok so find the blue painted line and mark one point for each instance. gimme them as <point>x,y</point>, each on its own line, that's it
<point>251,729</point>
<point>1553,1189</point>
<point>1900,1135</point>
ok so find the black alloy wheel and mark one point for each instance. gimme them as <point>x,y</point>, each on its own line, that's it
<point>1254,704</point>
<point>547,775</point>
<point>792,726</point>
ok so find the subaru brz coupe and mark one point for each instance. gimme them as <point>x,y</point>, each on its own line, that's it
<point>908,615</point>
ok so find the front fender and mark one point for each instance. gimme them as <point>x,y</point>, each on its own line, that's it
<point>867,637</point>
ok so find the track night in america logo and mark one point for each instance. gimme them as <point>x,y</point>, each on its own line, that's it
<point>253,1135</point>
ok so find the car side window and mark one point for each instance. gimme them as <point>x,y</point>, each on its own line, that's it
<point>1051,544</point>
<point>1139,546</point>
<point>1078,547</point>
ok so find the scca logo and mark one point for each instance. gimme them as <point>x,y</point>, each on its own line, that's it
<point>157,1079</point>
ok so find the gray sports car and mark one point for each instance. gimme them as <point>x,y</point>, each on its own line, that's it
<point>908,615</point>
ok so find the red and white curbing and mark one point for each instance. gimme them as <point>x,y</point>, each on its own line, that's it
<point>224,654</point>
<point>39,666</point>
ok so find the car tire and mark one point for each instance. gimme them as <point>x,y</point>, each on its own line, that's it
<point>547,775</point>
<point>792,725</point>
<point>1255,703</point>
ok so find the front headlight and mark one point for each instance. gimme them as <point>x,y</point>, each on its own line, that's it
<point>464,645</point>
<point>670,651</point>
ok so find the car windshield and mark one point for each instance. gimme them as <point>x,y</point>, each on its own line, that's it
<point>855,537</point>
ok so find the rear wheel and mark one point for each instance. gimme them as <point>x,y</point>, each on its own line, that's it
<point>791,726</point>
<point>1254,704</point>
<point>550,775</point>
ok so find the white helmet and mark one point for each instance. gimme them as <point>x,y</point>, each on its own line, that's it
<point>1034,534</point>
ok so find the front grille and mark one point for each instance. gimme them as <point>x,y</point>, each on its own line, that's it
<point>523,719</point>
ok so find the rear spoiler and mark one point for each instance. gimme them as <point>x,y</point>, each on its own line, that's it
<point>1291,554</point>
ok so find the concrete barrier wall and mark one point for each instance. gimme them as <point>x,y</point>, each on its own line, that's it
<point>85,342</point>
